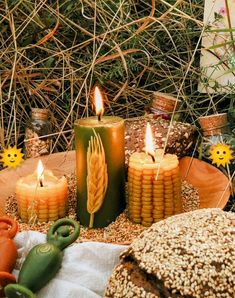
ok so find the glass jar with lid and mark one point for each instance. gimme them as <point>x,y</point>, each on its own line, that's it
<point>218,142</point>
<point>37,139</point>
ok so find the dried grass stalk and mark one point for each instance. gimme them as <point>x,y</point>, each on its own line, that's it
<point>97,177</point>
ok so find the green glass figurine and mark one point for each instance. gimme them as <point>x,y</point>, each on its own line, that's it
<point>44,260</point>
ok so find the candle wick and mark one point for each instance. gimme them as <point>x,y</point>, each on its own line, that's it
<point>40,181</point>
<point>99,117</point>
<point>153,158</point>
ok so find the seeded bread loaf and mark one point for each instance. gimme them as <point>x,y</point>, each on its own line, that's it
<point>186,255</point>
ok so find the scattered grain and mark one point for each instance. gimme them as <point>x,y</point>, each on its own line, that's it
<point>121,231</point>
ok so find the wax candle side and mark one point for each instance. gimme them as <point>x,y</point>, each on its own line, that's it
<point>111,130</point>
<point>154,188</point>
<point>44,203</point>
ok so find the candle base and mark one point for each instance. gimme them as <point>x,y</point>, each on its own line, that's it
<point>42,204</point>
<point>154,191</point>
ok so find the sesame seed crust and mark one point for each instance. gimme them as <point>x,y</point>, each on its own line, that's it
<point>192,254</point>
<point>121,286</point>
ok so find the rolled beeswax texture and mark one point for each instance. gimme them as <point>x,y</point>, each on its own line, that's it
<point>154,189</point>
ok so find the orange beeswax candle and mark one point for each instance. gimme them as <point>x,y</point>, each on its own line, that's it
<point>42,196</point>
<point>154,188</point>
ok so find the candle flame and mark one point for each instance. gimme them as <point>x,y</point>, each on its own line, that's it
<point>40,171</point>
<point>149,145</point>
<point>99,108</point>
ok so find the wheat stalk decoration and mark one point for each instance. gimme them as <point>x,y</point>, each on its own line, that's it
<point>97,177</point>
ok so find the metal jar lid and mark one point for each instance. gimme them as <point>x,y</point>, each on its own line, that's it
<point>213,124</point>
<point>164,102</point>
<point>40,114</point>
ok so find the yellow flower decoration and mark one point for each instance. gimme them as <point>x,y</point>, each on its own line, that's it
<point>12,157</point>
<point>221,154</point>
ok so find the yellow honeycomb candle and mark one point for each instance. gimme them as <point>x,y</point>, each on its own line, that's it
<point>154,187</point>
<point>44,198</point>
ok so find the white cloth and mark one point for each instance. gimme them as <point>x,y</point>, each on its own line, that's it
<point>85,270</point>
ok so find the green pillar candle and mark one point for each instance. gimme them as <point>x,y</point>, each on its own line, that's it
<point>100,181</point>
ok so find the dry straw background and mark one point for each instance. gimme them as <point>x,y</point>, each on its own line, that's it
<point>53,52</point>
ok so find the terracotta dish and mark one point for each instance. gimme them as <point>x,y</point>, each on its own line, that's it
<point>213,186</point>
